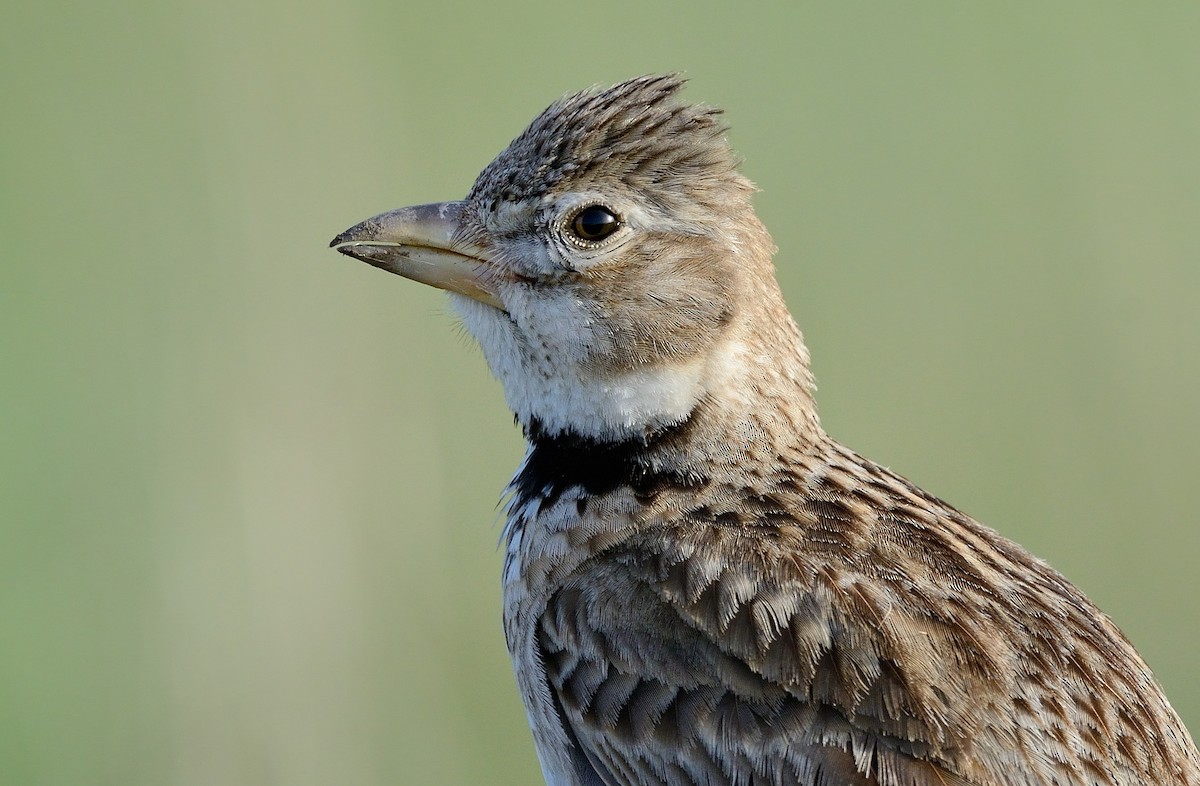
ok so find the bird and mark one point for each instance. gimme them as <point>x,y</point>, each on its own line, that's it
<point>701,587</point>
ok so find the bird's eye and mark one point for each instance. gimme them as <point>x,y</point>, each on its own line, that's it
<point>594,223</point>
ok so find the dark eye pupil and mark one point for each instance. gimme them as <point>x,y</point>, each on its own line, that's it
<point>594,223</point>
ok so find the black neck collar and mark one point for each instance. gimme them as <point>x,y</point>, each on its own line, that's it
<point>565,460</point>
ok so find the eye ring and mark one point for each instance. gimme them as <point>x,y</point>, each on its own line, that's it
<point>594,223</point>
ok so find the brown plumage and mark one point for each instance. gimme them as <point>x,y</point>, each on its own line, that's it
<point>701,586</point>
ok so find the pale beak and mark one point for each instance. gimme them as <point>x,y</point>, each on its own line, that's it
<point>423,243</point>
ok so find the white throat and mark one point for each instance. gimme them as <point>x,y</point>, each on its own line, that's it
<point>630,404</point>
<point>550,385</point>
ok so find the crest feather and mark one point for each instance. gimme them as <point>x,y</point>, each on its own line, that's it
<point>637,133</point>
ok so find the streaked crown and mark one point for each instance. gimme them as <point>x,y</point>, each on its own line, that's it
<point>637,134</point>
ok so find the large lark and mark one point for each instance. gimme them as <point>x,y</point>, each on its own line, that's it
<point>700,585</point>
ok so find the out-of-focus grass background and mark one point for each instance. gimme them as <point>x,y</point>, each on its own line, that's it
<point>248,486</point>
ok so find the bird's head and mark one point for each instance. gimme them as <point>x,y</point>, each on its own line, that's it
<point>610,265</point>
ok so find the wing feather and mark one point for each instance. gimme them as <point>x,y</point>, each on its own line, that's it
<point>665,676</point>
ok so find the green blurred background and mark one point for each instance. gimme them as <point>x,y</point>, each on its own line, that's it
<point>248,486</point>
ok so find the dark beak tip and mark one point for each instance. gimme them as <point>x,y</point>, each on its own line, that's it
<point>364,231</point>
<point>376,256</point>
<point>345,237</point>
<point>360,253</point>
